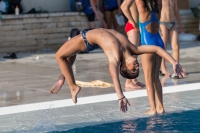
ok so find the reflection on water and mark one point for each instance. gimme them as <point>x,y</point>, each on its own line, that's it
<point>167,81</point>
<point>188,121</point>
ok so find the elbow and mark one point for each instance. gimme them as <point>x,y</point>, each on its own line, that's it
<point>125,10</point>
<point>123,7</point>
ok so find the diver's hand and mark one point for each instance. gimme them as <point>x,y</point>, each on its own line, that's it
<point>179,70</point>
<point>123,103</point>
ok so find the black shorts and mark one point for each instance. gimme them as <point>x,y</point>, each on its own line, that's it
<point>91,17</point>
<point>112,9</point>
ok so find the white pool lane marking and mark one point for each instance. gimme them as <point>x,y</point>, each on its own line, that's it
<point>91,99</point>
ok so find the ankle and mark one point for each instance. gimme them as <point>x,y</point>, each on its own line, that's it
<point>134,80</point>
<point>128,81</point>
<point>61,77</point>
<point>74,87</point>
<point>152,108</point>
<point>160,107</point>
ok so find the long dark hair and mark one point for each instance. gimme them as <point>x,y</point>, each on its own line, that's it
<point>151,5</point>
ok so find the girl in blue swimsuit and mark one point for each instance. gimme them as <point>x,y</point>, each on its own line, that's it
<point>148,38</point>
<point>149,28</point>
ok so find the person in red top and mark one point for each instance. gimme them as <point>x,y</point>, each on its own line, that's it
<point>133,34</point>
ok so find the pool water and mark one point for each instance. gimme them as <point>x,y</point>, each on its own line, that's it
<point>181,103</point>
<point>178,122</point>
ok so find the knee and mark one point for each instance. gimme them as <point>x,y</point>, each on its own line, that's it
<point>59,56</point>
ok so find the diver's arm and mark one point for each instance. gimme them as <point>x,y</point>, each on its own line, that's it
<point>177,68</point>
<point>155,49</point>
<point>114,72</point>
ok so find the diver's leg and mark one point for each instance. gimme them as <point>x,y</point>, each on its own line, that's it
<point>67,50</point>
<point>61,79</point>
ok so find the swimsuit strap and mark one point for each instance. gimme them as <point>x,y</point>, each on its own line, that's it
<point>152,19</point>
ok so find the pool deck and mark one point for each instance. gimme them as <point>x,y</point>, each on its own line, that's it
<point>28,78</point>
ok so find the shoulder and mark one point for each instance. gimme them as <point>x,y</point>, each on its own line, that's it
<point>140,5</point>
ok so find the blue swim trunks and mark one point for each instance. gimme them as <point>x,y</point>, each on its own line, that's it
<point>148,38</point>
<point>89,47</point>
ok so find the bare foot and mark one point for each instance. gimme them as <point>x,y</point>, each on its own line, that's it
<point>132,86</point>
<point>57,86</point>
<point>75,92</point>
<point>160,110</point>
<point>150,112</point>
<point>138,83</point>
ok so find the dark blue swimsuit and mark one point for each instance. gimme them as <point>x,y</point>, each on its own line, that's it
<point>148,38</point>
<point>89,47</point>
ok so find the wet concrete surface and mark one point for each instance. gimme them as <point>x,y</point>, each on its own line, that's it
<point>28,78</point>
